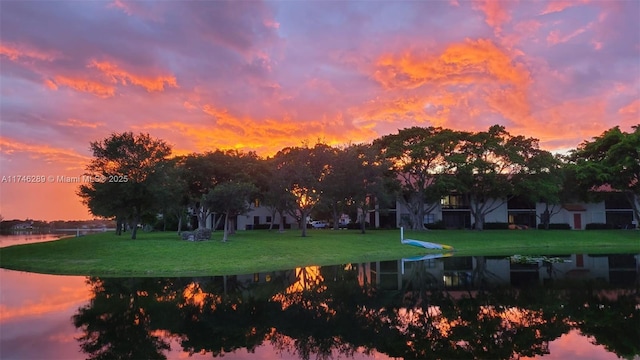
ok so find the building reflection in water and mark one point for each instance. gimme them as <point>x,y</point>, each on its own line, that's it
<point>449,307</point>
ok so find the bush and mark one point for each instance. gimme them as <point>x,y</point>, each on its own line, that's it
<point>599,226</point>
<point>496,226</point>
<point>556,226</point>
<point>438,225</point>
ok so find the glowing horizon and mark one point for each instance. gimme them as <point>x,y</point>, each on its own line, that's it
<point>260,76</point>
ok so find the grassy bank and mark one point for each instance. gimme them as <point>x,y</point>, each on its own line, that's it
<point>163,254</point>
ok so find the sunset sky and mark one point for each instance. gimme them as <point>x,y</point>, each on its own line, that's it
<point>265,75</point>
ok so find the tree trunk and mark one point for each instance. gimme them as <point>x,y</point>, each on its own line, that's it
<point>134,225</point>
<point>480,222</point>
<point>202,218</point>
<point>303,223</point>
<point>546,217</point>
<point>119,224</point>
<point>281,226</point>
<point>232,224</point>
<point>336,217</point>
<point>631,197</point>
<point>477,212</point>
<point>414,210</point>
<point>179,224</point>
<point>226,228</point>
<point>164,221</point>
<point>273,218</point>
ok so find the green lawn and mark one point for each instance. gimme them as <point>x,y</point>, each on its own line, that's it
<point>163,254</point>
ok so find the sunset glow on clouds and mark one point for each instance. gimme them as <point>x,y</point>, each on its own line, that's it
<point>265,75</point>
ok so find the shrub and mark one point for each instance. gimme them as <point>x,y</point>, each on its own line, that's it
<point>438,225</point>
<point>599,226</point>
<point>496,226</point>
<point>556,226</point>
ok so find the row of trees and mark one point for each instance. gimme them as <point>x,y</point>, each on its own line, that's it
<point>416,166</point>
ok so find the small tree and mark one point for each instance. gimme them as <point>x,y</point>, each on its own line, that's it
<point>230,199</point>
<point>545,183</point>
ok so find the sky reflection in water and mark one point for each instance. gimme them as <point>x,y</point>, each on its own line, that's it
<point>286,309</point>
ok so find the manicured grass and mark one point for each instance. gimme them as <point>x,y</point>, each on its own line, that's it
<point>163,254</point>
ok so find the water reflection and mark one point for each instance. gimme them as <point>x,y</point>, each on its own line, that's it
<point>454,307</point>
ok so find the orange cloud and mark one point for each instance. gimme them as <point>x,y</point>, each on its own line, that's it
<point>80,123</point>
<point>462,87</point>
<point>265,136</point>
<point>83,85</point>
<point>67,157</point>
<point>17,51</point>
<point>117,75</point>
<point>469,62</point>
<point>565,124</point>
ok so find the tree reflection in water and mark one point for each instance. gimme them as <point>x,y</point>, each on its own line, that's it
<point>321,312</point>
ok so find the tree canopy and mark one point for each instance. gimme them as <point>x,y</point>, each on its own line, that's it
<point>125,168</point>
<point>611,159</point>
<point>417,167</point>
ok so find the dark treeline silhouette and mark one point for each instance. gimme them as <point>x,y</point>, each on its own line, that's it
<point>417,167</point>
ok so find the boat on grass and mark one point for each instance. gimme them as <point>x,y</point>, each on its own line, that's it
<point>423,244</point>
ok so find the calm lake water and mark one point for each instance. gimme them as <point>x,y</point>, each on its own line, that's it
<point>561,307</point>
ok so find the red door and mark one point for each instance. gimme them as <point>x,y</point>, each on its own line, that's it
<point>577,221</point>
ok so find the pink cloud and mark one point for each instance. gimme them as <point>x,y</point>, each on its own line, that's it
<point>559,5</point>
<point>80,123</point>
<point>496,12</point>
<point>117,75</point>
<point>17,52</point>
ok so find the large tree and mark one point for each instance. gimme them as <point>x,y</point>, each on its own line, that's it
<point>275,195</point>
<point>305,169</point>
<point>419,158</point>
<point>368,180</point>
<point>124,172</point>
<point>171,191</point>
<point>337,187</point>
<point>611,159</point>
<point>488,167</point>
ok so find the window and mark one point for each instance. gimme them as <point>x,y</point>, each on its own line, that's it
<point>454,202</point>
<point>429,219</point>
<point>268,219</point>
<point>256,220</point>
